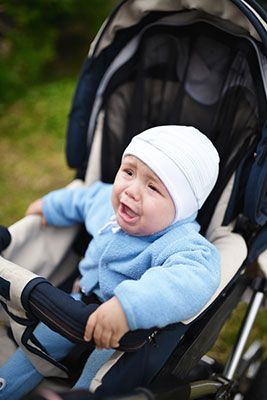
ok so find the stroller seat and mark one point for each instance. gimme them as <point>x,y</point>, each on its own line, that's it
<point>176,64</point>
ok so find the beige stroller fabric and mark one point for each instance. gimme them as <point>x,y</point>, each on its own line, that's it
<point>42,249</point>
<point>232,246</point>
<point>128,16</point>
<point>19,277</point>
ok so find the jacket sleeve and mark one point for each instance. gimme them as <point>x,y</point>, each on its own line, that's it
<point>174,291</point>
<point>69,206</point>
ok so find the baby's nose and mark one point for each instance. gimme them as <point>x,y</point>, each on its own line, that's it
<point>133,191</point>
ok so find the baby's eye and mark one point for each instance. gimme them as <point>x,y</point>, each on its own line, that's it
<point>128,171</point>
<point>153,187</point>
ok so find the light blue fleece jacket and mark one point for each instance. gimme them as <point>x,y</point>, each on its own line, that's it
<point>159,279</point>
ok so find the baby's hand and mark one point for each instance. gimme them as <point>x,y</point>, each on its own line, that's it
<point>36,208</point>
<point>107,325</point>
<point>76,286</point>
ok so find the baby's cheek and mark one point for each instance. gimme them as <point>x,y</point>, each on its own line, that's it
<point>114,200</point>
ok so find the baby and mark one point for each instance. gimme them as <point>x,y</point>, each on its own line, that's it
<point>147,265</point>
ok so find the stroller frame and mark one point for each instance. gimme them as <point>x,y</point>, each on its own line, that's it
<point>188,373</point>
<point>224,381</point>
<point>236,376</point>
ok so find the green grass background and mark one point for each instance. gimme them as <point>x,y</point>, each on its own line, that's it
<point>32,141</point>
<point>32,162</point>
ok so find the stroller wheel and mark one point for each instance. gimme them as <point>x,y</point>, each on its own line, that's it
<point>258,388</point>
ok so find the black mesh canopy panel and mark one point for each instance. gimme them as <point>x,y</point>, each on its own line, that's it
<point>195,75</point>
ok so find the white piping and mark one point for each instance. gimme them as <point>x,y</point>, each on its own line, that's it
<point>264,24</point>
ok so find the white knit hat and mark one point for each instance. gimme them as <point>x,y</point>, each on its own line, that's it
<point>184,159</point>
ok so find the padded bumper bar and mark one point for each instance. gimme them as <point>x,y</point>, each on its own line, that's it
<point>28,299</point>
<point>13,281</point>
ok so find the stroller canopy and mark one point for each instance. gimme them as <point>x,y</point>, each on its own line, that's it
<point>199,63</point>
<point>246,15</point>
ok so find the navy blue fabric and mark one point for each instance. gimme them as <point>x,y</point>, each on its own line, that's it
<point>236,201</point>
<point>249,194</point>
<point>28,289</point>
<point>257,7</point>
<point>60,312</point>
<point>29,321</point>
<point>78,143</point>
<point>258,245</point>
<point>67,316</point>
<point>4,288</point>
<point>254,21</point>
<point>139,368</point>
<point>28,335</point>
<point>255,204</point>
<point>5,238</point>
<point>76,146</point>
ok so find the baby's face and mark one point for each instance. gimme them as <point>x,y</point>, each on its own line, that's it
<point>141,202</point>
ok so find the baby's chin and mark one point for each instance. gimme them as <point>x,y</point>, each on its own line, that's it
<point>131,230</point>
<point>135,231</point>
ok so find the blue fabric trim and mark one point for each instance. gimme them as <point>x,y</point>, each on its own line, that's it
<point>19,320</point>
<point>235,202</point>
<point>255,202</point>
<point>254,21</point>
<point>28,335</point>
<point>258,8</point>
<point>5,238</point>
<point>258,245</point>
<point>249,194</point>
<point>139,368</point>
<point>5,288</point>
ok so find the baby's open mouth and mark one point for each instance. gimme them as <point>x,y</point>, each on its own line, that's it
<point>127,213</point>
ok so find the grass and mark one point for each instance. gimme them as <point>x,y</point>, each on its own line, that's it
<point>223,345</point>
<point>32,142</point>
<point>32,162</point>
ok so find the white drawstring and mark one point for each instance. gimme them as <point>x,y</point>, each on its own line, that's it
<point>112,223</point>
<point>2,383</point>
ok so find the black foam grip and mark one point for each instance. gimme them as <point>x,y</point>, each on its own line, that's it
<point>60,311</point>
<point>67,316</point>
<point>5,238</point>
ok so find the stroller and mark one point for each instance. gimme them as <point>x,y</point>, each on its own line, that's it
<point>198,63</point>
